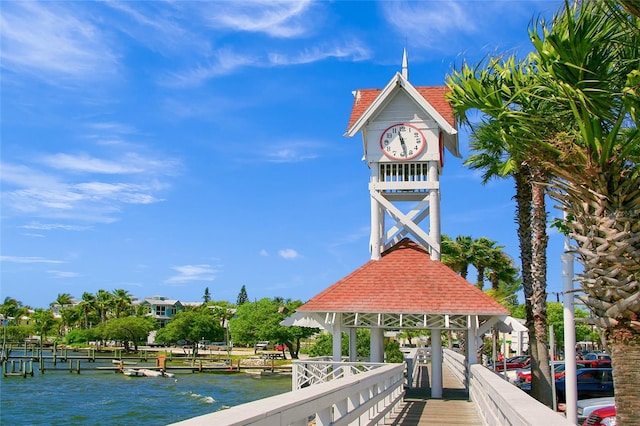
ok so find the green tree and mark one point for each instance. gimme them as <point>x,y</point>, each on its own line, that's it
<point>192,326</point>
<point>589,65</point>
<point>260,320</point>
<point>128,329</point>
<point>121,302</point>
<point>65,302</point>
<point>497,152</point>
<point>555,313</point>
<point>505,280</point>
<point>242,296</point>
<point>207,296</point>
<point>82,336</point>
<point>87,306</point>
<point>12,309</point>
<point>43,322</point>
<point>483,253</point>
<point>103,303</point>
<point>457,254</point>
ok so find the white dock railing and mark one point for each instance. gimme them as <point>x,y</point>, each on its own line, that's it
<point>497,401</point>
<point>323,369</point>
<point>367,397</point>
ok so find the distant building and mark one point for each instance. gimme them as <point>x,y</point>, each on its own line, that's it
<point>162,309</point>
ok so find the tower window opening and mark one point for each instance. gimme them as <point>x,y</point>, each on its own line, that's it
<point>404,172</point>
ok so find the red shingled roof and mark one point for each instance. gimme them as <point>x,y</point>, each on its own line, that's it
<point>433,94</point>
<point>404,280</point>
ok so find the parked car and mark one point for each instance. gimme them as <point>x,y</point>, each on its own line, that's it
<point>591,383</point>
<point>520,361</point>
<point>588,406</point>
<point>524,375</point>
<point>592,356</point>
<point>595,363</point>
<point>280,347</point>
<point>264,345</point>
<point>605,416</point>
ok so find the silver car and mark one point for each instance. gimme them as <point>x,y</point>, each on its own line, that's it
<point>587,406</point>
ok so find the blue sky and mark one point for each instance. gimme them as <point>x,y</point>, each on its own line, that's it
<point>164,147</point>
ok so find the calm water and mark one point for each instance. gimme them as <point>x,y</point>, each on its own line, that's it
<point>107,398</point>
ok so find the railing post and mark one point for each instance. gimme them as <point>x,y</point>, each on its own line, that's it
<point>323,417</point>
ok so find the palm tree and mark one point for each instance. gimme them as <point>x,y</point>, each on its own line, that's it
<point>458,254</point>
<point>87,305</point>
<point>589,65</point>
<point>43,320</point>
<point>104,302</point>
<point>64,301</point>
<point>483,250</point>
<point>497,151</point>
<point>121,301</point>
<point>12,309</point>
<point>505,279</point>
<point>585,73</point>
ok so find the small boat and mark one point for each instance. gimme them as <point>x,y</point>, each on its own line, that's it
<point>132,372</point>
<point>150,373</point>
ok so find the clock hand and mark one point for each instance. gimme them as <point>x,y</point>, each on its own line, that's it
<point>404,147</point>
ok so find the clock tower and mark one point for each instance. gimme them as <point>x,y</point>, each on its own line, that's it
<point>405,132</point>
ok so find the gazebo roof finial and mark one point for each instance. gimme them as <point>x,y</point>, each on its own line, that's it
<point>405,64</point>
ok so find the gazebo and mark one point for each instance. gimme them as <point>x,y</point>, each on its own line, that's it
<point>404,289</point>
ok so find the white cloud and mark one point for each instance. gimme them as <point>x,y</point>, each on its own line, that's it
<point>288,254</point>
<point>352,50</point>
<point>281,19</point>
<point>264,253</point>
<point>88,164</point>
<point>63,274</point>
<point>52,42</point>
<point>27,259</point>
<point>83,186</point>
<point>429,23</point>
<point>188,273</point>
<point>224,62</point>
<point>292,151</point>
<point>55,226</point>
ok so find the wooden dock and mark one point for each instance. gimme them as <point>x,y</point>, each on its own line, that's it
<point>453,409</point>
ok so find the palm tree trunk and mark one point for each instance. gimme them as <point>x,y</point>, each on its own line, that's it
<point>542,374</point>
<point>524,208</point>
<point>625,354</point>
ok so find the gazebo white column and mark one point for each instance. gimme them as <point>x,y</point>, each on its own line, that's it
<point>377,221</point>
<point>337,338</point>
<point>472,340</point>
<point>434,211</point>
<point>436,364</point>
<point>377,344</point>
<point>353,344</point>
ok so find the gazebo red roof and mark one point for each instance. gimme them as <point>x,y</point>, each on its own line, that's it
<point>404,280</point>
<point>435,95</point>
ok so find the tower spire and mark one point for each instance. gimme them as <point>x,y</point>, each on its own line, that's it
<point>405,65</point>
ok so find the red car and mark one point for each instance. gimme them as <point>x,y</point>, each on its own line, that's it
<point>602,417</point>
<point>594,363</point>
<point>525,375</point>
<point>521,361</point>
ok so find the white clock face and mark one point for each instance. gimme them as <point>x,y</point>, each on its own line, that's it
<point>402,142</point>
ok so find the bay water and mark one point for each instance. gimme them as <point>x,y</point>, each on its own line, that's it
<point>108,398</point>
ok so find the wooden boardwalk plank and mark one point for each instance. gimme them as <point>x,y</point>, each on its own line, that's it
<point>419,409</point>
